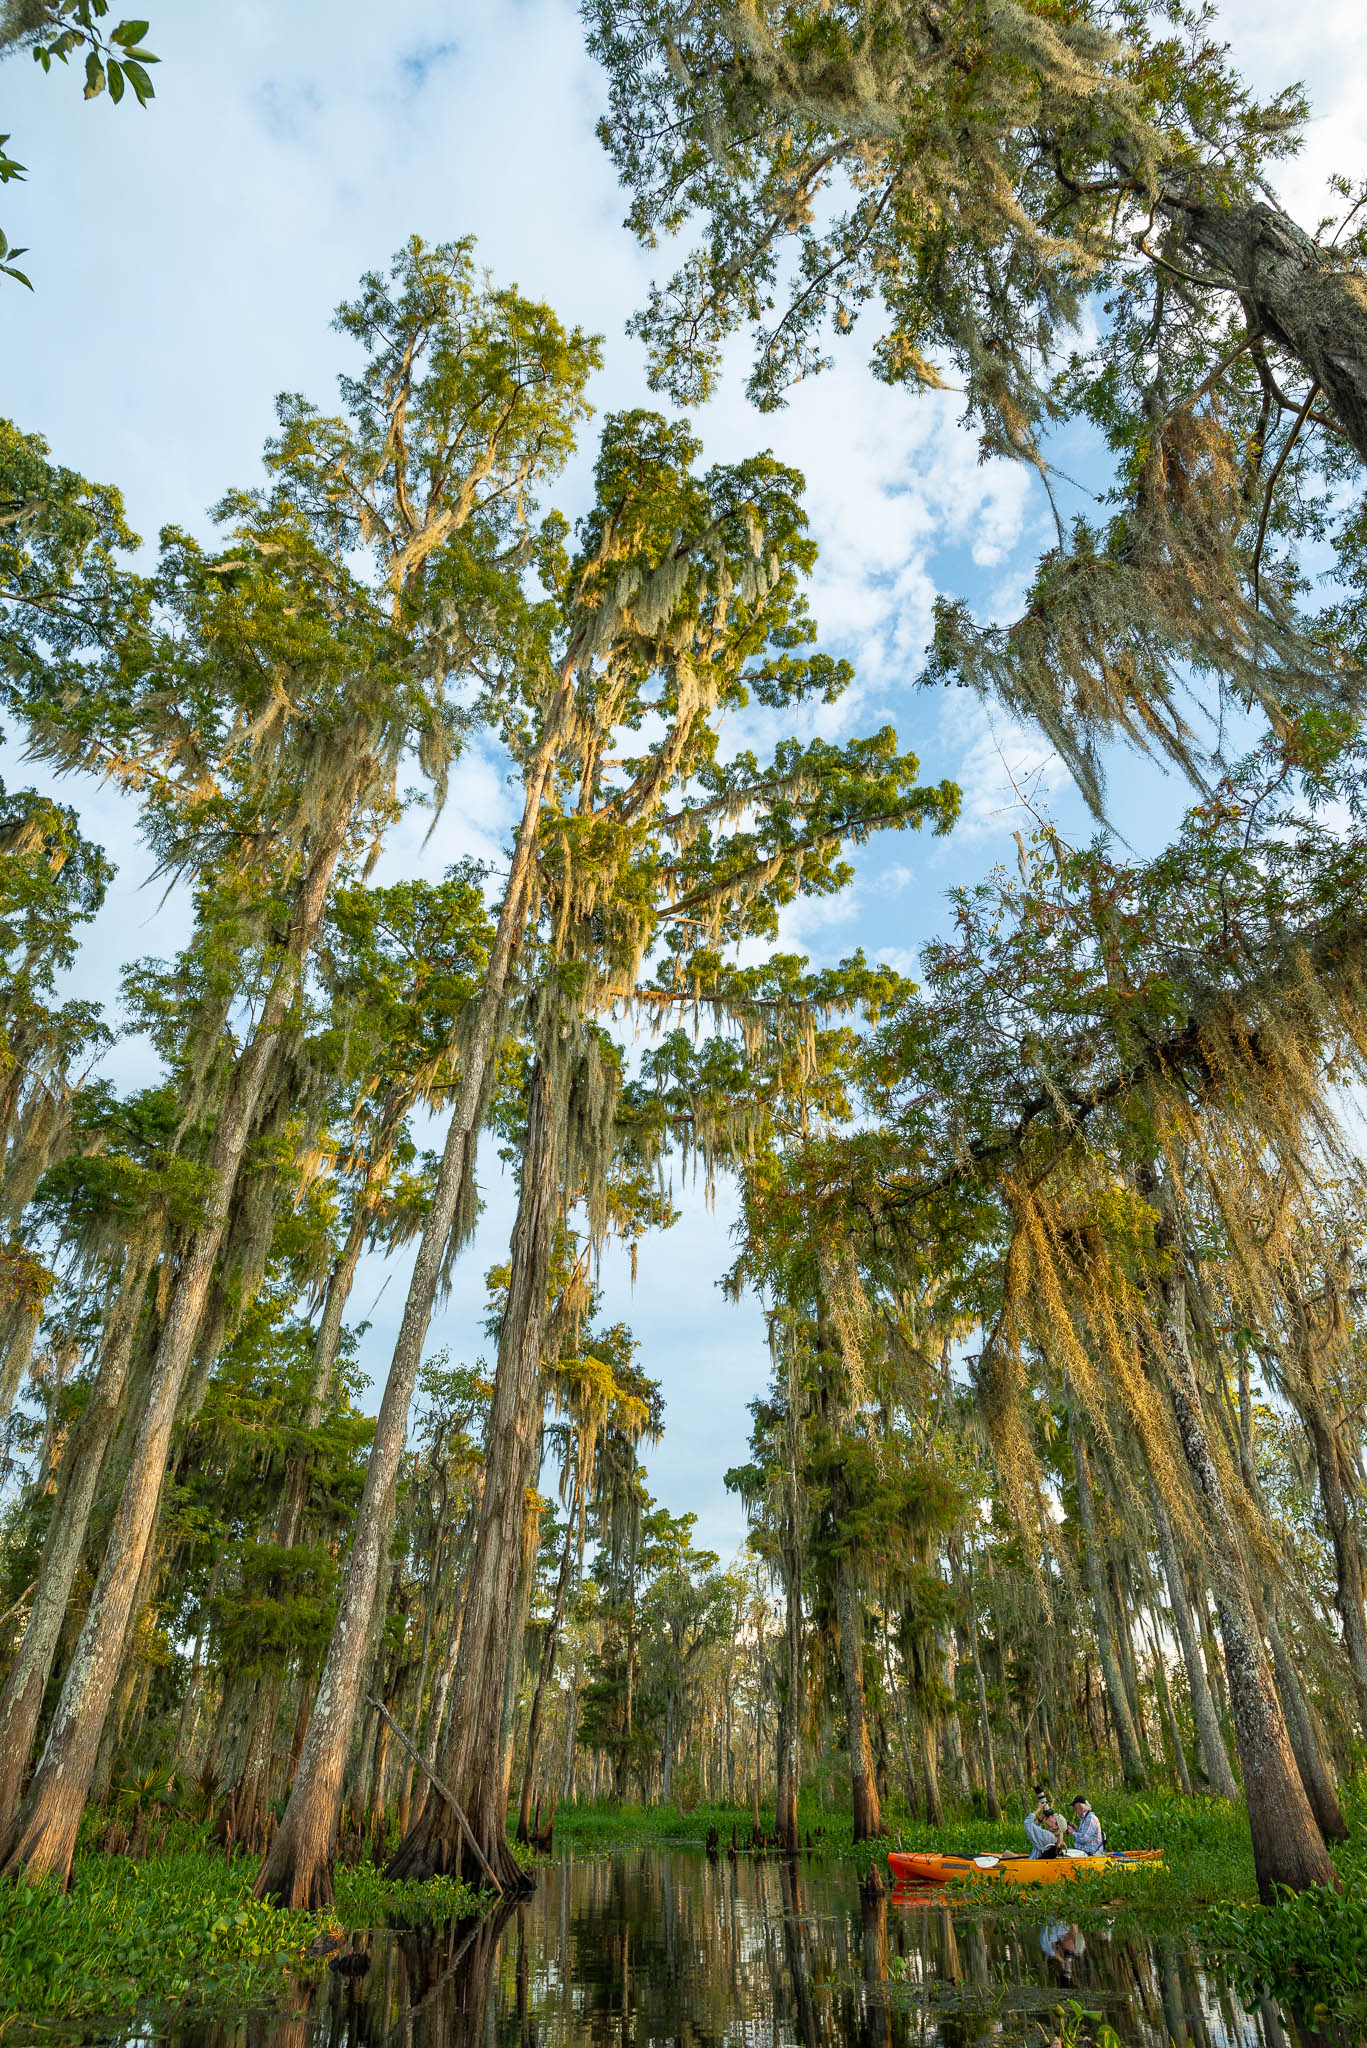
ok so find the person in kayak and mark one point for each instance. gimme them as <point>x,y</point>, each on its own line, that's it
<point>1086,1830</point>
<point>1044,1827</point>
<point>1062,1943</point>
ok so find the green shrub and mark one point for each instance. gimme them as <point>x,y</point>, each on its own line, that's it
<point>1308,1951</point>
<point>182,1929</point>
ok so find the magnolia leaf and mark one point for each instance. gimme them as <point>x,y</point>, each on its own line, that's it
<point>129,34</point>
<point>94,77</point>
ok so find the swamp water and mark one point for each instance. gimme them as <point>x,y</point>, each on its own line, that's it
<point>652,1946</point>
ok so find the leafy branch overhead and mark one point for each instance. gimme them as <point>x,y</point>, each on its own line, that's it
<point>116,61</point>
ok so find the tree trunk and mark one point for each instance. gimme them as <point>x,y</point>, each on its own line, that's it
<point>242,1821</point>
<point>1296,293</point>
<point>951,1732</point>
<point>570,1792</point>
<point>294,1493</point>
<point>77,1481</point>
<point>1169,1716</point>
<point>994,1811</point>
<point>935,1812</point>
<point>1348,1566</point>
<point>1129,1670</point>
<point>1315,1773</point>
<point>1210,1740</point>
<point>545,1672</point>
<point>868,1820</point>
<point>474,1759</point>
<point>1131,1762</point>
<point>786,1784</point>
<point>297,1871</point>
<point>1287,1846</point>
<point>243,1818</point>
<point>43,1835</point>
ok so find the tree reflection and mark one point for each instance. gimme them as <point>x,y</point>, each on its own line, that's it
<point>659,1946</point>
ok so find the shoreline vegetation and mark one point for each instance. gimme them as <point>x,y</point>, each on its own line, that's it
<point>179,1932</point>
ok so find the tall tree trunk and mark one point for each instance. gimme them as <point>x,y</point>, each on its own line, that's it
<point>1348,1564</point>
<point>43,1835</point>
<point>242,1819</point>
<point>786,1786</point>
<point>951,1734</point>
<point>570,1792</point>
<point>1287,1846</point>
<point>294,1492</point>
<point>868,1820</point>
<point>297,1870</point>
<point>1117,1700</point>
<point>1129,1670</point>
<point>1168,1714</point>
<point>474,1758</point>
<point>994,1811</point>
<point>77,1481</point>
<point>1315,1773</point>
<point>545,1672</point>
<point>935,1812</point>
<point>1209,1739</point>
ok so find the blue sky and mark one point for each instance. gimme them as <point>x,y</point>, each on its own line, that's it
<point>187,259</point>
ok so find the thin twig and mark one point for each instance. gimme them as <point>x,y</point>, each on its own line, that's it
<point>449,1796</point>
<point>1224,364</point>
<point>10,1612</point>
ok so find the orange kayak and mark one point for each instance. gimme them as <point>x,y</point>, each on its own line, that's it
<point>918,1868</point>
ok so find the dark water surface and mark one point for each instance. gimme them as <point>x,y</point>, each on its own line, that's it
<point>657,1946</point>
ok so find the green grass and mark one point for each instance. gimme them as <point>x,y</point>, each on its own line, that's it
<point>181,1929</point>
<point>1205,1842</point>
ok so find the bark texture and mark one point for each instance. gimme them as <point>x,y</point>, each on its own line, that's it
<point>297,1870</point>
<point>868,1819</point>
<point>1309,1396</point>
<point>79,1477</point>
<point>1302,296</point>
<point>1316,1775</point>
<point>1112,1677</point>
<point>545,1672</point>
<point>1288,1848</point>
<point>1209,1737</point>
<point>475,1759</point>
<point>42,1838</point>
<point>789,1730</point>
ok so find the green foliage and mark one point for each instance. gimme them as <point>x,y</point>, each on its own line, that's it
<point>176,1930</point>
<point>116,60</point>
<point>182,1930</point>
<point>364,1897</point>
<point>1309,1950</point>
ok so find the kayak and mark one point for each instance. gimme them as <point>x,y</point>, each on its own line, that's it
<point>1016,1868</point>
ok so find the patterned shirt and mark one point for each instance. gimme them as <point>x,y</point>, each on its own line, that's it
<point>1087,1835</point>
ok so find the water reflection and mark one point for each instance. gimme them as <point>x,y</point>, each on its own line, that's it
<point>652,1947</point>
